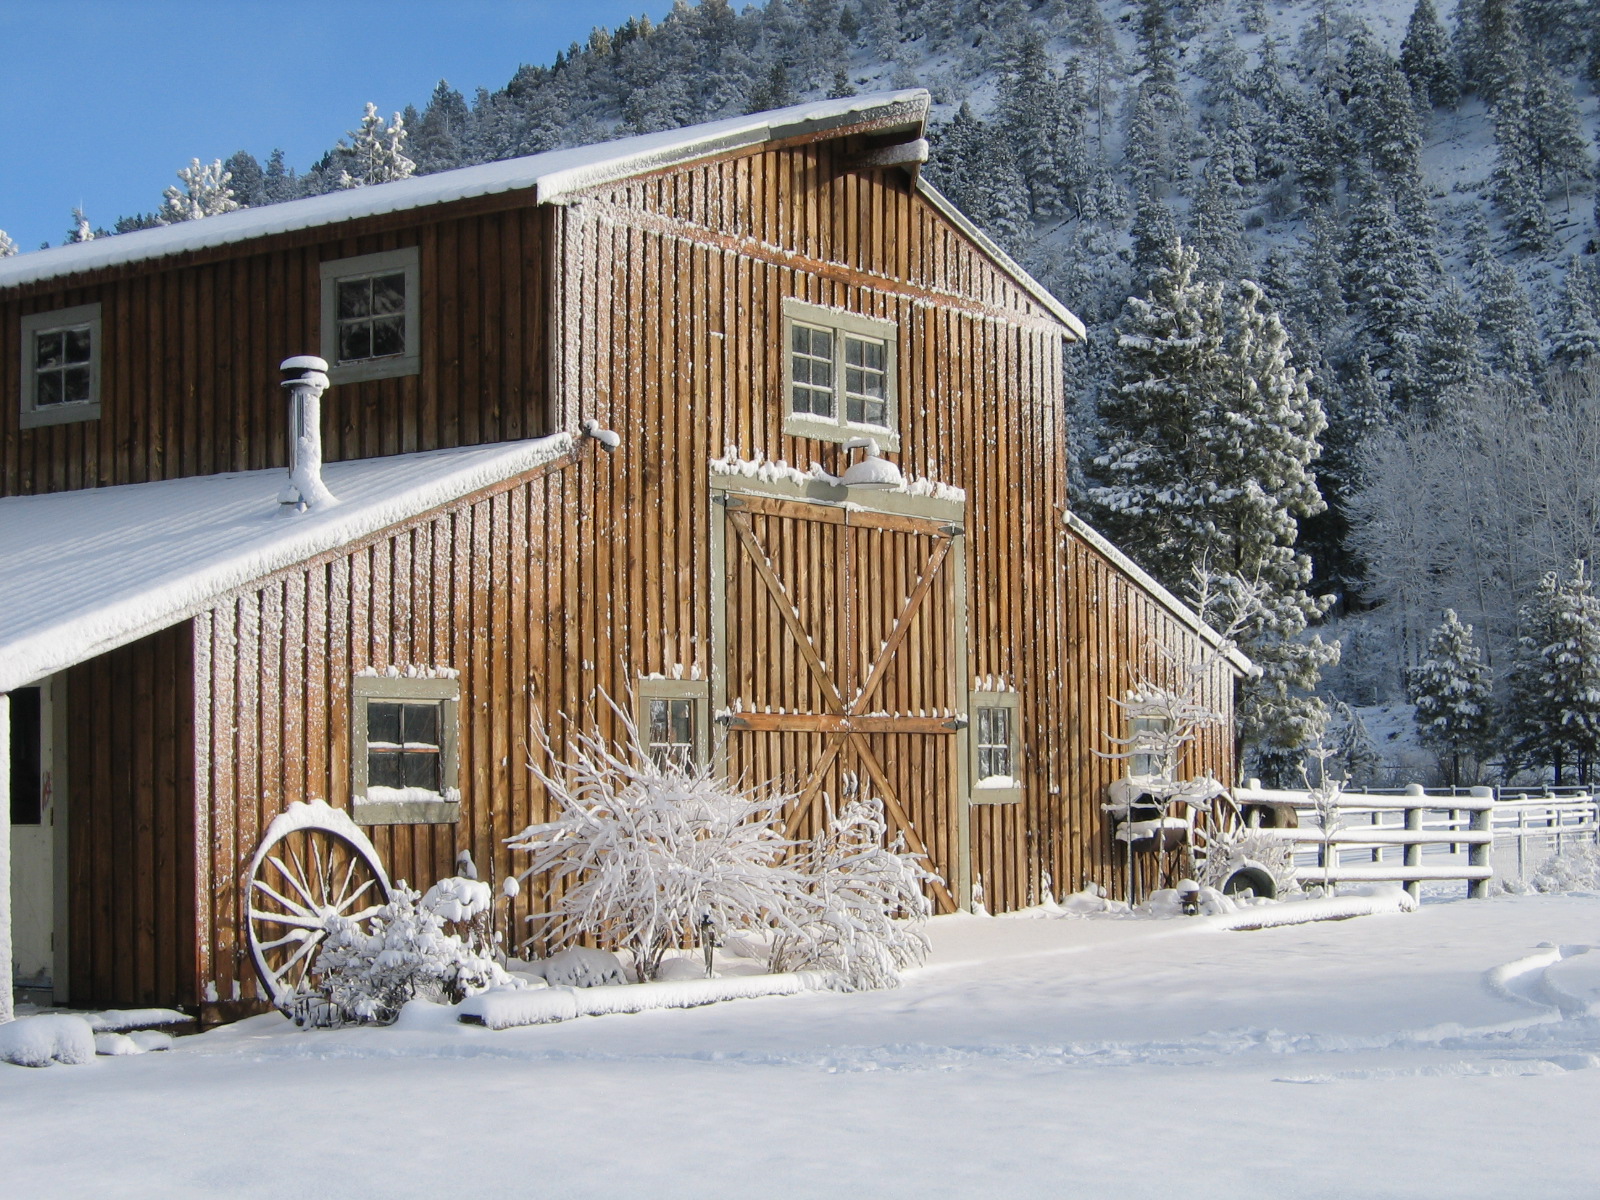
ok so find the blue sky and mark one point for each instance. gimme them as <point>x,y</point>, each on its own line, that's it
<point>101,101</point>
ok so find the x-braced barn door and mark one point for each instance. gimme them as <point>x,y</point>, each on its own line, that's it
<point>844,666</point>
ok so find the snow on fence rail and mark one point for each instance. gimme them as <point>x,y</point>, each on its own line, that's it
<point>1409,838</point>
<point>1413,836</point>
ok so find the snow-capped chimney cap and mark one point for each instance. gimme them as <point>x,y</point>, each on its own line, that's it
<point>304,362</point>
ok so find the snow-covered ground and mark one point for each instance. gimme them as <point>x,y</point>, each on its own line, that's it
<point>1386,1056</point>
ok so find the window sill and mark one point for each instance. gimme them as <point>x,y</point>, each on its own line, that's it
<point>405,812</point>
<point>826,429</point>
<point>375,368</point>
<point>60,414</point>
<point>991,794</point>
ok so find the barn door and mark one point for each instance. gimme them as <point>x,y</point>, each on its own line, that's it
<point>844,666</point>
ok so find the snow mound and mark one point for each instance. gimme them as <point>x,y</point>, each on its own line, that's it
<point>581,967</point>
<point>120,1020</point>
<point>40,1041</point>
<point>115,1045</point>
<point>507,1009</point>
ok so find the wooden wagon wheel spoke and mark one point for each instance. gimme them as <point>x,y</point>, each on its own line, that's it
<point>324,866</point>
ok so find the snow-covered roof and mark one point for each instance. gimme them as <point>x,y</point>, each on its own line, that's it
<point>552,175</point>
<point>1236,657</point>
<point>84,572</point>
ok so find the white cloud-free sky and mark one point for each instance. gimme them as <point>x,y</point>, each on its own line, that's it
<point>101,101</point>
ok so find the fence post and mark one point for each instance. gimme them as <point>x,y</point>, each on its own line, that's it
<point>1478,853</point>
<point>1413,854</point>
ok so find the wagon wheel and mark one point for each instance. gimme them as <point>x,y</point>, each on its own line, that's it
<point>313,863</point>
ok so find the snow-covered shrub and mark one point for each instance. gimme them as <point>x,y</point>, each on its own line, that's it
<point>583,967</point>
<point>1233,849</point>
<point>647,850</point>
<point>52,1038</point>
<point>860,909</point>
<point>1574,868</point>
<point>367,970</point>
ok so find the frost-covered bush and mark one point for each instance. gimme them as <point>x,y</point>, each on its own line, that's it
<point>641,852</point>
<point>51,1038</point>
<point>859,911</point>
<point>1230,850</point>
<point>1575,868</point>
<point>367,970</point>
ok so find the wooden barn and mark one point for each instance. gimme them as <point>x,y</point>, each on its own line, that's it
<point>742,425</point>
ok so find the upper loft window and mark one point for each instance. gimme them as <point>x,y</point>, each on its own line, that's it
<point>370,326</point>
<point>61,366</point>
<point>839,375</point>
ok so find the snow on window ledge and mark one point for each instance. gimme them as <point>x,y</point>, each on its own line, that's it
<point>997,789</point>
<point>406,806</point>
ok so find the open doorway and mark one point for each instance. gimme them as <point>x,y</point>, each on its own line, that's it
<point>37,818</point>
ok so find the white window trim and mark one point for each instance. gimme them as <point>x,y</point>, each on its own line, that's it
<point>989,793</point>
<point>444,810</point>
<point>837,428</point>
<point>407,260</point>
<point>34,417</point>
<point>697,690</point>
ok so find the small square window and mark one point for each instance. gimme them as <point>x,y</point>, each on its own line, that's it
<point>839,375</point>
<point>370,326</point>
<point>61,366</point>
<point>671,717</point>
<point>996,772</point>
<point>403,751</point>
<point>1146,734</point>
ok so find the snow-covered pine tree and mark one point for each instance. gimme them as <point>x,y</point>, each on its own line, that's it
<point>1510,331</point>
<point>1577,338</point>
<point>278,181</point>
<point>1427,59</point>
<point>1451,361</point>
<point>1516,169</point>
<point>205,193</point>
<point>1386,283</point>
<point>7,246</point>
<point>1216,222</point>
<point>248,182</point>
<point>1453,691</point>
<point>438,139</point>
<point>1560,153</point>
<point>81,230</point>
<point>1555,677</point>
<point>376,153</point>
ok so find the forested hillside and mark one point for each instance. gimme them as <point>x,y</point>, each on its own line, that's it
<point>1411,193</point>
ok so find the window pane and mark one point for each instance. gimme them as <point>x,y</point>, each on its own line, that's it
<point>388,336</point>
<point>77,345</point>
<point>49,349</point>
<point>859,352</point>
<point>421,770</point>
<point>383,723</point>
<point>421,724</point>
<point>355,342</point>
<point>383,769</point>
<point>683,722</point>
<point>75,388</point>
<point>660,721</point>
<point>388,294</point>
<point>49,390</point>
<point>355,299</point>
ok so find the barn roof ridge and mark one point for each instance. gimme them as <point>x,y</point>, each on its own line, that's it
<point>103,567</point>
<point>552,175</point>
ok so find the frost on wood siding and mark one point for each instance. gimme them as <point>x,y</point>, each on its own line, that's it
<point>485,588</point>
<point>673,289</point>
<point>1117,630</point>
<point>189,377</point>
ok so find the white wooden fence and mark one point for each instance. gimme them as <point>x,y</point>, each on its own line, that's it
<point>1409,837</point>
<point>1531,825</point>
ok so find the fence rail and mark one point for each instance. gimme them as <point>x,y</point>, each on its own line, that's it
<point>1414,836</point>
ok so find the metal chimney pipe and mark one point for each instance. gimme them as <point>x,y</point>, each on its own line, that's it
<point>306,378</point>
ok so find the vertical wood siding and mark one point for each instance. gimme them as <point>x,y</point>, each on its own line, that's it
<point>131,850</point>
<point>189,379</point>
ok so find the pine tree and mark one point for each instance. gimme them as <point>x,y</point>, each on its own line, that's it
<point>1451,362</point>
<point>1210,433</point>
<point>1556,140</point>
<point>7,247</point>
<point>81,231</point>
<point>439,137</point>
<point>1216,226</point>
<point>248,183</point>
<point>978,171</point>
<point>1577,340</point>
<point>278,181</point>
<point>1511,339</point>
<point>1453,692</point>
<point>205,193</point>
<point>376,153</point>
<point>1555,677</point>
<point>1427,60</point>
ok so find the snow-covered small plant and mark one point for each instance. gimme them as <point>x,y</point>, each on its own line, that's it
<point>860,909</point>
<point>1573,868</point>
<point>367,970</point>
<point>8,247</point>
<point>205,193</point>
<point>642,850</point>
<point>1325,796</point>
